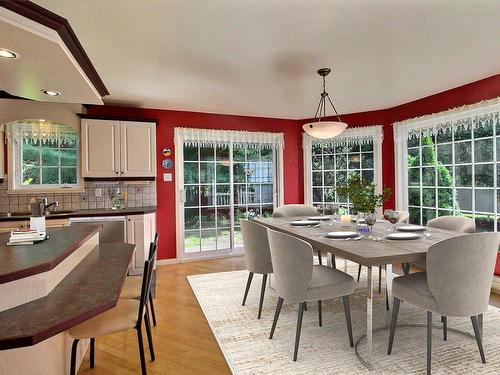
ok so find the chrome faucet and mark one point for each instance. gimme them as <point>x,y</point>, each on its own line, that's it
<point>47,205</point>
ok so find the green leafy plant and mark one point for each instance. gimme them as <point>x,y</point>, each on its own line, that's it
<point>362,194</point>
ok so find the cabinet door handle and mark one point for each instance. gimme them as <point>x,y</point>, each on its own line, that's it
<point>116,172</point>
<point>122,172</point>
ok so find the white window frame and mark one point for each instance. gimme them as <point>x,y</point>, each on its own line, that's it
<point>213,137</point>
<point>15,186</point>
<point>432,123</point>
<point>354,134</point>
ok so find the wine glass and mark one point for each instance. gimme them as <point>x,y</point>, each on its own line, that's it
<point>335,214</point>
<point>393,219</point>
<point>371,219</point>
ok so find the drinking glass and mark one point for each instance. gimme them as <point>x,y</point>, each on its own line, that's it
<point>334,218</point>
<point>393,219</point>
<point>371,219</point>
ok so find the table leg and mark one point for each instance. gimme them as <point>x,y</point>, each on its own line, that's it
<point>388,286</point>
<point>329,259</point>
<point>369,318</point>
<point>345,265</point>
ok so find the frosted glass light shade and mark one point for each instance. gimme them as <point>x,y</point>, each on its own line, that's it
<point>324,129</point>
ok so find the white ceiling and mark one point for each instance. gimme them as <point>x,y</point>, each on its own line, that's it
<point>260,57</point>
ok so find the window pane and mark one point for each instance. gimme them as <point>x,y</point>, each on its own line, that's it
<point>444,136</point>
<point>445,153</point>
<point>207,173</point>
<point>31,176</point>
<point>207,153</point>
<point>253,194</point>
<point>445,175</point>
<point>207,218</point>
<point>329,195</point>
<point>68,176</point>
<point>498,146</point>
<point>463,175</point>
<point>266,154</point>
<point>207,195</point>
<point>191,173</point>
<point>484,200</point>
<point>208,239</point>
<point>267,210</point>
<point>367,146</point>
<point>223,238</point>
<point>463,152</point>
<point>367,160</point>
<point>239,192</point>
<point>464,199</point>
<point>429,176</point>
<point>222,154</point>
<point>445,198</point>
<point>428,155</point>
<point>483,150</point>
<point>317,194</point>
<point>483,174</point>
<point>367,175</point>
<point>413,157</point>
<point>192,241</point>
<point>486,130</point>
<point>414,197</point>
<point>191,218</point>
<point>191,153</point>
<point>429,197</point>
<point>266,193</point>
<point>238,239</point>
<point>329,178</point>
<point>222,173</point>
<point>68,157</point>
<point>414,177</point>
<point>192,196</point>
<point>462,133</point>
<point>50,176</point>
<point>223,195</point>
<point>239,174</point>
<point>238,154</point>
<point>445,213</point>
<point>253,154</point>
<point>354,161</point>
<point>428,214</point>
<point>484,223</point>
<point>341,178</point>
<point>31,155</point>
<point>317,178</point>
<point>329,162</point>
<point>414,215</point>
<point>50,157</point>
<point>413,142</point>
<point>317,163</point>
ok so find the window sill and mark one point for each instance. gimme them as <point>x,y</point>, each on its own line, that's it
<point>33,191</point>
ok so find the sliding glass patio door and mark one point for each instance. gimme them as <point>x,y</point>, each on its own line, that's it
<point>222,182</point>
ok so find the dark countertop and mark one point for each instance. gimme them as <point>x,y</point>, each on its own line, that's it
<point>17,262</point>
<point>91,288</point>
<point>87,213</point>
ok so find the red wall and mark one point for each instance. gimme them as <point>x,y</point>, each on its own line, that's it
<point>293,168</point>
<point>168,120</point>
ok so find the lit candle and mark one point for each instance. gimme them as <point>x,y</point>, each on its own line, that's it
<point>345,220</point>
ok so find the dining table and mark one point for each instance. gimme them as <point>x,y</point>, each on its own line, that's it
<point>370,250</point>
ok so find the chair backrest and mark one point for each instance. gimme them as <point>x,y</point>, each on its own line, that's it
<point>146,285</point>
<point>256,245</point>
<point>460,273</point>
<point>453,223</point>
<point>404,216</point>
<point>153,247</point>
<point>295,210</point>
<point>292,264</point>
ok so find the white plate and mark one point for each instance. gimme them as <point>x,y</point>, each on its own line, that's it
<point>402,236</point>
<point>340,234</point>
<point>319,217</point>
<point>411,228</point>
<point>300,223</point>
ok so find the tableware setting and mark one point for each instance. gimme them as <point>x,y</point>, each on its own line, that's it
<point>402,236</point>
<point>341,235</point>
<point>305,223</point>
<point>411,228</point>
<point>320,218</point>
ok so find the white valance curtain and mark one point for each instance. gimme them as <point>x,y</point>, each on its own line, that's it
<point>47,132</point>
<point>469,116</point>
<point>222,138</point>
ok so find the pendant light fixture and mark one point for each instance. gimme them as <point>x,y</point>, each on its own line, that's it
<point>324,129</point>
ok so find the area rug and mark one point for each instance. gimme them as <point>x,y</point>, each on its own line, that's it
<point>325,350</point>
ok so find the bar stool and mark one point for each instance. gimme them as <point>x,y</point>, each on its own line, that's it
<point>132,286</point>
<point>127,314</point>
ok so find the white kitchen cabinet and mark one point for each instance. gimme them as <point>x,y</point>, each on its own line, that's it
<point>112,148</point>
<point>140,231</point>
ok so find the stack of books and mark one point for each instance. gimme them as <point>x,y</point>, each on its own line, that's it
<point>26,237</point>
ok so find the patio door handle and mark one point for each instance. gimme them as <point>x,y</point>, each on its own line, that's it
<point>182,195</point>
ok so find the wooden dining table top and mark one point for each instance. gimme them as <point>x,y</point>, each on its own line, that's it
<point>365,251</point>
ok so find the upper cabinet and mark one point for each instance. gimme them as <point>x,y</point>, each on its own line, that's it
<point>112,148</point>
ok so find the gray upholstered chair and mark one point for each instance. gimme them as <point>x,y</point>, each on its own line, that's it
<point>297,280</point>
<point>453,223</point>
<point>445,289</point>
<point>290,210</point>
<point>257,256</point>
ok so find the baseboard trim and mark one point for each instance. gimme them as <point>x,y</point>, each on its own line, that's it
<point>164,262</point>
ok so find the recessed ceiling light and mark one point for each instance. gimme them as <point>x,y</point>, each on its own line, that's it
<point>7,54</point>
<point>51,92</point>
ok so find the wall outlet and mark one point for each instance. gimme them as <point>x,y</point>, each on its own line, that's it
<point>98,192</point>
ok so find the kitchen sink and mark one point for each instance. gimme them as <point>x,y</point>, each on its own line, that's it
<point>51,213</point>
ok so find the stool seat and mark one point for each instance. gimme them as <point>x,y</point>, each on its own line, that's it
<point>120,318</point>
<point>131,287</point>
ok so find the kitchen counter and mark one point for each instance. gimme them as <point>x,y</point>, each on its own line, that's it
<point>87,213</point>
<point>91,288</point>
<point>22,261</point>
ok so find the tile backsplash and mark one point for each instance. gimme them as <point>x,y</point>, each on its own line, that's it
<point>138,195</point>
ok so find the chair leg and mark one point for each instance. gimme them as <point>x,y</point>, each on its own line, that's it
<point>72,370</point>
<point>305,306</point>
<point>249,281</point>
<point>479,339</point>
<point>320,314</point>
<point>141,350</point>
<point>444,319</point>
<point>359,272</point>
<point>379,279</point>
<point>334,262</point>
<point>147,323</point>
<point>262,291</point>
<point>347,312</point>
<point>320,260</point>
<point>394,320</point>
<point>153,315</point>
<point>299,328</point>
<point>276,315</point>
<point>429,341</point>
<point>92,352</point>
<point>406,268</point>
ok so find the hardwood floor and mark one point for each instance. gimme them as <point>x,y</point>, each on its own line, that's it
<point>184,343</point>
